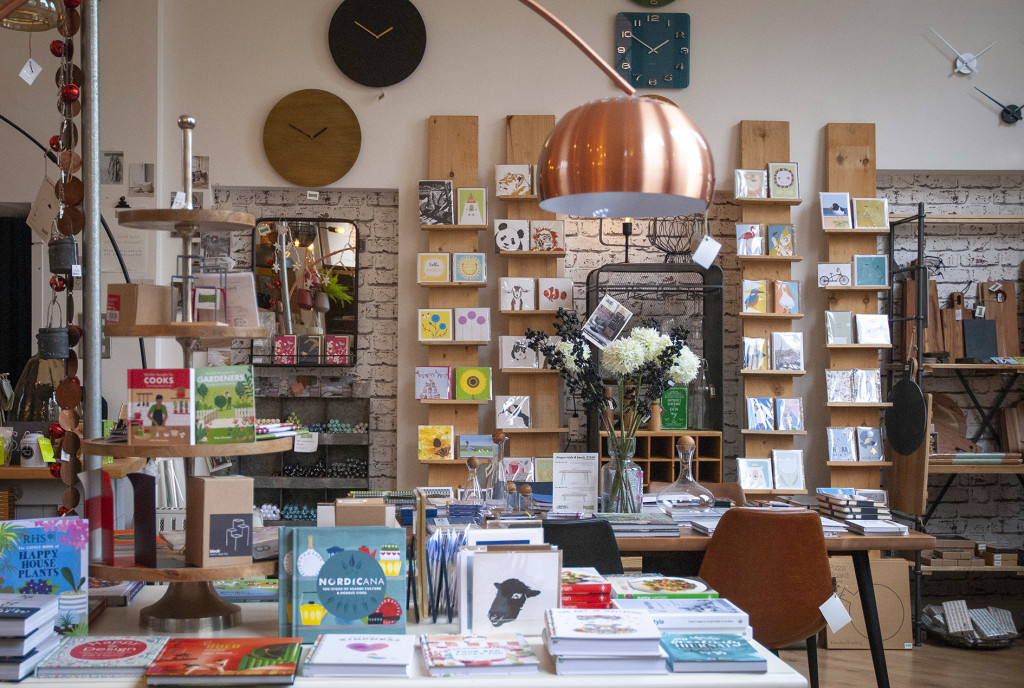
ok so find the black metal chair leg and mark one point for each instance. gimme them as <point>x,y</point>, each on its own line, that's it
<point>812,660</point>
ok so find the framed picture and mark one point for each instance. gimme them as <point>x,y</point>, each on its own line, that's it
<point>780,240</point>
<point>547,235</point>
<point>512,411</point>
<point>755,474</point>
<point>835,210</point>
<point>760,413</point>
<point>783,180</point>
<point>870,271</point>
<point>834,274</point>
<point>838,386</point>
<point>751,184</point>
<point>749,239</point>
<point>838,327</point>
<point>435,324</point>
<point>512,235</point>
<point>873,328</point>
<point>433,267</point>
<point>755,353</point>
<point>606,322</point>
<point>513,180</point>
<point>871,213</point>
<point>516,353</point>
<point>472,206</point>
<point>437,202</point>
<point>788,467</point>
<point>789,413</point>
<point>787,350</point>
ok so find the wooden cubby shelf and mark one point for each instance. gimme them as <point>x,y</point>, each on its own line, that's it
<point>655,453</point>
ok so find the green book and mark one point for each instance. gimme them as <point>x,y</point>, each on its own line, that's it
<point>225,408</point>
<point>701,652</point>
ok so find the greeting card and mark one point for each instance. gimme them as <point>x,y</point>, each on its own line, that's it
<point>839,386</point>
<point>755,296</point>
<point>284,349</point>
<point>433,267</point>
<point>437,202</point>
<point>789,469</point>
<point>754,474</point>
<point>512,411</point>
<point>512,235</point>
<point>336,348</point>
<point>842,444</point>
<point>749,239</point>
<point>435,442</point>
<point>554,293</point>
<point>835,210</point>
<point>751,184</point>
<point>789,413</point>
<point>760,413</point>
<point>515,353</point>
<point>513,180</point>
<point>755,353</point>
<point>518,294</point>
<point>472,206</point>
<point>780,240</point>
<point>838,327</point>
<point>472,324</point>
<point>869,444</point>
<point>787,296</point>
<point>435,324</point>
<point>787,350</point>
<point>473,382</point>
<point>432,382</point>
<point>469,267</point>
<point>546,235</point>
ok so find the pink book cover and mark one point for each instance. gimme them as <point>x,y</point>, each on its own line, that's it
<point>337,349</point>
<point>284,349</point>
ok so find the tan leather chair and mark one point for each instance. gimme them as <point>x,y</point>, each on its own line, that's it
<point>774,566</point>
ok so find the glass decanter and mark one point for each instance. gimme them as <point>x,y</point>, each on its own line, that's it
<point>685,492</point>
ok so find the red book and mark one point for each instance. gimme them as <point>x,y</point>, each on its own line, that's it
<point>590,605</point>
<point>583,579</point>
<point>584,600</point>
<point>211,661</point>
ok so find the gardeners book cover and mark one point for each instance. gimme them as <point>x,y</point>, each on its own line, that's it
<point>49,556</point>
<point>225,408</point>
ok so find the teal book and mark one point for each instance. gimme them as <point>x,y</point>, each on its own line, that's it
<point>342,580</point>
<point>710,652</point>
<point>225,407</point>
<point>49,556</point>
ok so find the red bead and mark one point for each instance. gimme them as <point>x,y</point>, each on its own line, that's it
<point>76,380</point>
<point>270,261</point>
<point>63,510</point>
<point>69,93</point>
<point>55,469</point>
<point>57,48</point>
<point>273,301</point>
<point>57,283</point>
<point>55,143</point>
<point>55,431</point>
<point>277,283</point>
<point>72,4</point>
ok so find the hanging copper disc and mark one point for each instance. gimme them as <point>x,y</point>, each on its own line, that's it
<point>77,77</point>
<point>66,109</point>
<point>71,24</point>
<point>71,364</point>
<point>69,161</point>
<point>68,135</point>
<point>70,191</point>
<point>69,419</point>
<point>71,221</point>
<point>69,303</point>
<point>69,393</point>
<point>70,498</point>
<point>69,471</point>
<point>71,443</point>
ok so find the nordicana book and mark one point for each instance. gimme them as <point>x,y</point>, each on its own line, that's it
<point>101,657</point>
<point>711,652</point>
<point>225,662</point>
<point>341,580</point>
<point>359,655</point>
<point>225,409</point>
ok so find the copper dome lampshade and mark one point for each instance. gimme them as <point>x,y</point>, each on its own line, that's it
<point>629,156</point>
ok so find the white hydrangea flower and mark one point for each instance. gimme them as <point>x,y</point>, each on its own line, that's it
<point>684,367</point>
<point>623,356</point>
<point>652,341</point>
<point>565,348</point>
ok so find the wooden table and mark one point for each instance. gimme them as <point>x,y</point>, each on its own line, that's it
<point>857,546</point>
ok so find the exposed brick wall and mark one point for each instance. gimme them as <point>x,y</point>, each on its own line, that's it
<point>376,214</point>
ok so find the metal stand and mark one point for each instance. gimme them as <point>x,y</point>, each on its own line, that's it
<point>189,607</point>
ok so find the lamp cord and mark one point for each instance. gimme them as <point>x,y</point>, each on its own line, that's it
<point>50,155</point>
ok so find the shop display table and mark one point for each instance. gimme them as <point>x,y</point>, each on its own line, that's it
<point>261,620</point>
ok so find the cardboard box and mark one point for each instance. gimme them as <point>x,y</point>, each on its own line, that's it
<point>998,559</point>
<point>364,512</point>
<point>138,304</point>
<point>951,553</point>
<point>928,560</point>
<point>218,520</point>
<point>954,542</point>
<point>892,596</point>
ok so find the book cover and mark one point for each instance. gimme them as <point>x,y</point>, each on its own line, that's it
<point>513,180</point>
<point>432,267</point>
<point>755,353</point>
<point>839,386</point>
<point>469,268</point>
<point>547,235</point>
<point>602,630</point>
<point>507,591</point>
<point>869,444</point>
<point>518,294</point>
<point>284,349</point>
<point>586,600</point>
<point>359,654</point>
<point>749,239</point>
<point>18,646</point>
<point>476,446</point>
<point>101,657</point>
<point>693,652</point>
<point>755,296</point>
<point>787,296</point>
<point>788,466</point>
<point>432,382</point>
<point>435,324</point>
<point>437,202</point>
<point>512,411</point>
<point>161,409</point>
<point>787,350</point>
<point>842,444</point>
<point>225,660</point>
<point>342,580</point>
<point>780,240</point>
<point>309,348</point>
<point>17,668</point>
<point>247,589</point>
<point>337,348</point>
<point>754,474</point>
<point>472,382</point>
<point>472,206</point>
<point>554,293</point>
<point>435,442</point>
<point>583,579</point>
<point>838,327</point>
<point>789,413</point>
<point>117,593</point>
<point>49,556</point>
<point>23,613</point>
<point>225,407</point>
<point>653,585</point>
<point>760,413</point>
<point>467,655</point>
<point>689,613</point>
<point>512,235</point>
<point>516,353</point>
<point>472,324</point>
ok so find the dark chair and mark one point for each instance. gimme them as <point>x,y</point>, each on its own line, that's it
<point>587,542</point>
<point>773,564</point>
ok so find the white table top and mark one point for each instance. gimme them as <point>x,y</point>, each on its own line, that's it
<point>260,619</point>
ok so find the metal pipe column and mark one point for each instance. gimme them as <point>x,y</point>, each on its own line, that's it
<point>93,374</point>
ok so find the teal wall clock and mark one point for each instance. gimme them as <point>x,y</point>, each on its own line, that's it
<point>652,50</point>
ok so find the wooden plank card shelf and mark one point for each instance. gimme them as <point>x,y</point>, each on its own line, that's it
<point>453,228</point>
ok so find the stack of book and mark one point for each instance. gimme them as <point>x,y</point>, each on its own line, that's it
<point>654,586</point>
<point>693,615</point>
<point>712,652</point>
<point>846,507</point>
<point>465,512</point>
<point>359,655</point>
<point>478,655</point>
<point>584,588</point>
<point>111,657</point>
<point>875,527</point>
<point>27,635</point>
<point>585,641</point>
<point>641,525</point>
<point>116,593</point>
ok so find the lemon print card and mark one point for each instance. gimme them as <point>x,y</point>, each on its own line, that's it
<point>472,383</point>
<point>469,267</point>
<point>435,324</point>
<point>871,213</point>
<point>435,442</point>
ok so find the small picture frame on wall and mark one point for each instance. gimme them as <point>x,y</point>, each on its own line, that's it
<point>783,180</point>
<point>870,213</point>
<point>751,184</point>
<point>870,271</point>
<point>835,210</point>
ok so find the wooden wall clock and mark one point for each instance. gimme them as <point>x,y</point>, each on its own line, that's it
<point>377,42</point>
<point>652,50</point>
<point>311,137</point>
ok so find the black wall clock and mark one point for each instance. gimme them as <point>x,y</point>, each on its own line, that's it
<point>377,42</point>
<point>652,50</point>
<point>653,3</point>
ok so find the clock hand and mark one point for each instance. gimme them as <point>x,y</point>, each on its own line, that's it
<point>976,55</point>
<point>299,130</point>
<point>391,27</point>
<point>375,35</point>
<point>990,97</point>
<point>645,45</point>
<point>655,48</point>
<point>318,133</point>
<point>946,42</point>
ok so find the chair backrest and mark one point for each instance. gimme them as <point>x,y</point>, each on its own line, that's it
<point>772,563</point>
<point>733,491</point>
<point>586,542</point>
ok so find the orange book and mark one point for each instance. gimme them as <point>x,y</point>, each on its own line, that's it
<point>209,661</point>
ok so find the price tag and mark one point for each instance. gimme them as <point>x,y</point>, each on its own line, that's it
<point>835,613</point>
<point>312,195</point>
<point>76,270</point>
<point>46,447</point>
<point>979,312</point>
<point>178,200</point>
<point>30,71</point>
<point>306,442</point>
<point>706,252</point>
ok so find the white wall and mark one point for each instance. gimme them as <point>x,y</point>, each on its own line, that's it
<point>228,62</point>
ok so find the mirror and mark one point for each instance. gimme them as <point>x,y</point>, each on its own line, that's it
<point>319,267</point>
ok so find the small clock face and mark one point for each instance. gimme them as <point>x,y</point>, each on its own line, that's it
<point>377,42</point>
<point>652,50</point>
<point>653,3</point>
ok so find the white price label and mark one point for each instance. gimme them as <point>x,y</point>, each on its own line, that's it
<point>307,442</point>
<point>178,200</point>
<point>30,71</point>
<point>835,613</point>
<point>76,270</point>
<point>706,252</point>
<point>312,195</point>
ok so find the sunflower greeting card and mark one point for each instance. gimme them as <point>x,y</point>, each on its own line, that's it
<point>435,442</point>
<point>472,383</point>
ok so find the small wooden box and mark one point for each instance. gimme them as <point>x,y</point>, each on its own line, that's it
<point>218,521</point>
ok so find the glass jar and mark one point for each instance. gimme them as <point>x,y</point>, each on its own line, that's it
<point>699,399</point>
<point>622,480</point>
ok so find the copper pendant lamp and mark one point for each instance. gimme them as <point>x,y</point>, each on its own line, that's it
<point>629,156</point>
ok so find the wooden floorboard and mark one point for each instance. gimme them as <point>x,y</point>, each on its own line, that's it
<point>927,666</point>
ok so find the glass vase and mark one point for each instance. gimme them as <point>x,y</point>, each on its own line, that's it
<point>685,491</point>
<point>699,401</point>
<point>622,480</point>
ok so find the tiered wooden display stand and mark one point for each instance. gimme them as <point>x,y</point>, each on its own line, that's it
<point>453,145</point>
<point>524,137</point>
<point>850,167</point>
<point>190,603</point>
<point>760,144</point>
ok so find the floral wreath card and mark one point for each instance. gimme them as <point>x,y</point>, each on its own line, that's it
<point>547,235</point>
<point>789,469</point>
<point>512,235</point>
<point>751,184</point>
<point>435,324</point>
<point>871,213</point>
<point>835,210</point>
<point>469,268</point>
<point>554,293</point>
<point>472,206</point>
<point>754,474</point>
<point>512,180</point>
<point>783,180</point>
<point>472,324</point>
